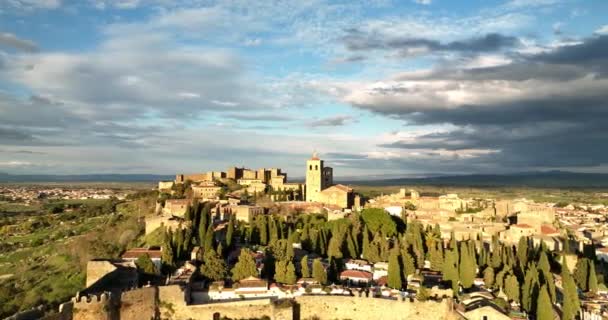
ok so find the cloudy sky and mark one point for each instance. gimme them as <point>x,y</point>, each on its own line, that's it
<point>376,86</point>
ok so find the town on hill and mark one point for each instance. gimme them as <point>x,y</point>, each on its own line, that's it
<point>249,244</point>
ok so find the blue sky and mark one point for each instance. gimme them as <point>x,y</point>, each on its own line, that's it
<point>377,87</point>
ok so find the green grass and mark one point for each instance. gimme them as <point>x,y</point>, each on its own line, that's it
<point>8,207</point>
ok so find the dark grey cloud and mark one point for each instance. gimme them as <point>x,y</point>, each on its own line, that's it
<point>356,40</point>
<point>549,109</point>
<point>13,42</point>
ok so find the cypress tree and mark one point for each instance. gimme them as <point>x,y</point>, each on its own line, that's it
<point>467,267</point>
<point>581,273</point>
<point>530,289</point>
<point>263,230</point>
<point>318,272</point>
<point>366,243</point>
<point>230,232</point>
<point>409,265</point>
<point>279,271</point>
<point>571,302</point>
<point>394,270</point>
<point>290,273</point>
<point>214,266</point>
<point>335,246</point>
<point>450,268</point>
<point>304,267</point>
<point>512,287</point>
<point>592,286</point>
<point>488,277</point>
<point>245,267</point>
<point>544,306</point>
<point>208,245</point>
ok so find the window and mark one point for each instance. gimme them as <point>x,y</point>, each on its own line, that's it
<point>484,317</point>
<point>310,167</point>
<point>317,167</point>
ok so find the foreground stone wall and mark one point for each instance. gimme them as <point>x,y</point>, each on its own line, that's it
<point>334,307</point>
<point>309,307</point>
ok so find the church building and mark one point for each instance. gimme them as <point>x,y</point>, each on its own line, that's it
<point>320,186</point>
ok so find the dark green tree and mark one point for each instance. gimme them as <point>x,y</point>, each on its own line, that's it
<point>145,264</point>
<point>512,287</point>
<point>488,277</point>
<point>544,306</point>
<point>245,267</point>
<point>305,270</point>
<point>394,270</point>
<point>571,302</point>
<point>318,271</point>
<point>467,267</point>
<point>290,273</point>
<point>213,266</point>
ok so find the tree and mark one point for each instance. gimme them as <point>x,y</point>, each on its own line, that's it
<point>512,287</point>
<point>409,265</point>
<point>530,289</point>
<point>394,270</point>
<point>581,273</point>
<point>318,271</point>
<point>450,268</point>
<point>592,278</point>
<point>304,267</point>
<point>245,267</point>
<point>544,307</point>
<point>379,220</point>
<point>422,294</point>
<point>279,271</point>
<point>214,266</point>
<point>488,277</point>
<point>290,273</point>
<point>571,302</point>
<point>145,264</point>
<point>230,232</point>
<point>467,267</point>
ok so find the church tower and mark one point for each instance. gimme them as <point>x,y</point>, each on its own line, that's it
<point>314,178</point>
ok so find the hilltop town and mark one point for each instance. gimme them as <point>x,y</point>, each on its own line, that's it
<point>245,244</point>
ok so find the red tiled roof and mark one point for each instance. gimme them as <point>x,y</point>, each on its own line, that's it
<point>523,225</point>
<point>547,229</point>
<point>356,274</point>
<point>138,252</point>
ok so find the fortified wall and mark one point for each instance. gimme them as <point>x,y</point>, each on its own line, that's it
<point>306,307</point>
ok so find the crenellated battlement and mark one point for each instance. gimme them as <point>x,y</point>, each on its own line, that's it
<point>102,298</point>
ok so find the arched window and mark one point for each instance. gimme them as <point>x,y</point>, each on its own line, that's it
<point>317,167</point>
<point>310,167</point>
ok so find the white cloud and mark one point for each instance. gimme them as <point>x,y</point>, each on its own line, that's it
<point>424,2</point>
<point>602,30</point>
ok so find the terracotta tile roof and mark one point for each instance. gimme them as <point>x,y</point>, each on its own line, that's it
<point>137,252</point>
<point>547,229</point>
<point>523,225</point>
<point>356,274</point>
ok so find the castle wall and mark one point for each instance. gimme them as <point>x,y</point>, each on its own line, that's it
<point>138,304</point>
<point>97,270</point>
<point>307,307</point>
<point>334,307</point>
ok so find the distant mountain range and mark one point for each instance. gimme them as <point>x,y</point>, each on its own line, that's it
<point>5,177</point>
<point>531,179</point>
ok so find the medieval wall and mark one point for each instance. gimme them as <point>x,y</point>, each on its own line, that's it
<point>334,307</point>
<point>306,307</point>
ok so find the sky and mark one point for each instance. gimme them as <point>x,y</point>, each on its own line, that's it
<point>376,87</point>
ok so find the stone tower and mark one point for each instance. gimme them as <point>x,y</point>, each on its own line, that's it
<point>316,179</point>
